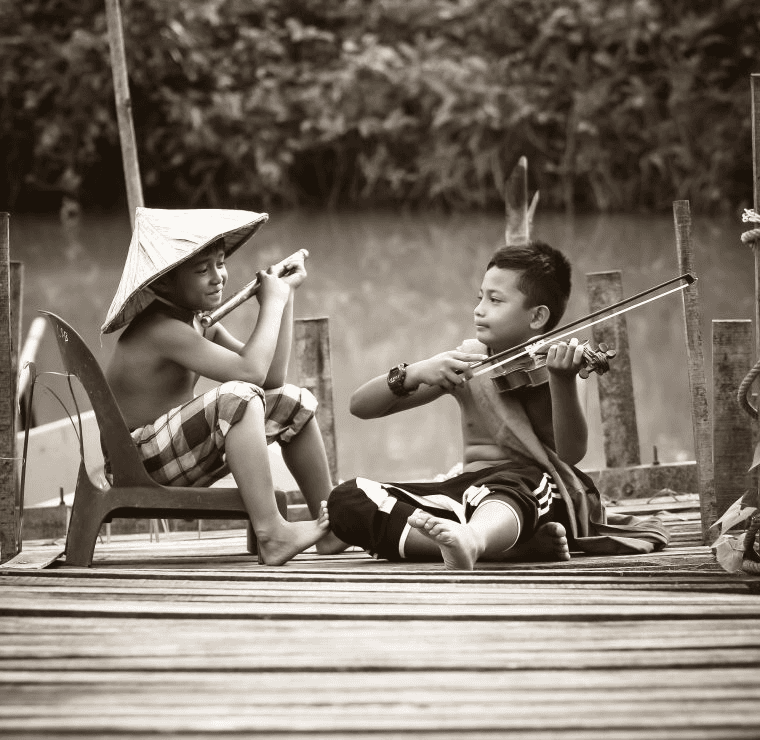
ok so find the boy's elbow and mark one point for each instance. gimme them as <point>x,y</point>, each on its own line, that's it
<point>358,410</point>
<point>254,377</point>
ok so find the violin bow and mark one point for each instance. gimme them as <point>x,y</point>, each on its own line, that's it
<point>520,350</point>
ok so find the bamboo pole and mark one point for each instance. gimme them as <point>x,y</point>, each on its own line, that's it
<point>732,430</point>
<point>10,544</point>
<point>314,372</point>
<point>616,401</point>
<point>700,409</point>
<point>124,108</point>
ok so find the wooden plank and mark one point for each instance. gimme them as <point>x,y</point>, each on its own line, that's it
<point>10,544</point>
<point>700,409</point>
<point>616,399</point>
<point>732,430</point>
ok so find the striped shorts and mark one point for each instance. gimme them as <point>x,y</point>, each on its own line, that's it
<point>185,446</point>
<point>374,515</point>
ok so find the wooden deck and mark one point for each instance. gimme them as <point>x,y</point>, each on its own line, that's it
<point>191,638</point>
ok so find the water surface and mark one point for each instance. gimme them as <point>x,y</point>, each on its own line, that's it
<point>401,287</point>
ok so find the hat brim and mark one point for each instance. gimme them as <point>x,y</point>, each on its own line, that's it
<point>163,239</point>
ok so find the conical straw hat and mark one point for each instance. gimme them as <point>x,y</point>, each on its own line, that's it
<point>162,239</point>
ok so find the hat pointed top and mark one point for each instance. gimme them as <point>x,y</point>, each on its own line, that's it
<point>164,238</point>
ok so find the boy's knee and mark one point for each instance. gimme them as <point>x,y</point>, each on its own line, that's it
<point>240,389</point>
<point>341,506</point>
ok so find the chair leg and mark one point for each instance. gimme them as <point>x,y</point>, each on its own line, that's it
<point>81,537</point>
<point>87,515</point>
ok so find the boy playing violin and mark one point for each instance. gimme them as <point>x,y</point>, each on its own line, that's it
<point>176,270</point>
<point>519,493</point>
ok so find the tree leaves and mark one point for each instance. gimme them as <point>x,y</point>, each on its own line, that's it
<point>618,105</point>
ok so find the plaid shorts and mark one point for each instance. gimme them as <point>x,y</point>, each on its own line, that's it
<point>185,446</point>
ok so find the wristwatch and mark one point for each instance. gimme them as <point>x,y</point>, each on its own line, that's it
<point>396,378</point>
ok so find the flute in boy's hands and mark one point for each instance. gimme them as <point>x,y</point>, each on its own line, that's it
<point>291,268</point>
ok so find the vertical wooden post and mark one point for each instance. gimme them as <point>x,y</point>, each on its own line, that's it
<point>732,430</point>
<point>10,545</point>
<point>755,98</point>
<point>616,401</point>
<point>700,408</point>
<point>17,296</point>
<point>755,95</point>
<point>517,232</point>
<point>124,108</point>
<point>314,371</point>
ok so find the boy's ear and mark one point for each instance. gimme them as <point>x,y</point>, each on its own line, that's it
<point>161,284</point>
<point>539,317</point>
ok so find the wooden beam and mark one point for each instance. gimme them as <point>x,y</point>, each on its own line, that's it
<point>700,409</point>
<point>124,108</point>
<point>732,430</point>
<point>10,544</point>
<point>644,481</point>
<point>616,401</point>
<point>314,371</point>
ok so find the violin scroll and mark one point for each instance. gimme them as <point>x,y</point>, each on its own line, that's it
<point>596,361</point>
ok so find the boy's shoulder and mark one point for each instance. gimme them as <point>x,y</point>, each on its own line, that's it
<point>157,320</point>
<point>473,346</point>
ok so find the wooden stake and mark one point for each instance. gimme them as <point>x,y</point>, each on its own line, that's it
<point>124,108</point>
<point>732,430</point>
<point>10,544</point>
<point>700,409</point>
<point>314,371</point>
<point>517,232</point>
<point>616,400</point>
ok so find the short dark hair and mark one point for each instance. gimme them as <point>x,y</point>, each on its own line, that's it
<point>546,276</point>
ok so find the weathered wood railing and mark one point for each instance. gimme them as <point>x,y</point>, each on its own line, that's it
<point>11,280</point>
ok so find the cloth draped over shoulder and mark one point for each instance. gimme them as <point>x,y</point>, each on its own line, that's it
<point>162,239</point>
<point>594,530</point>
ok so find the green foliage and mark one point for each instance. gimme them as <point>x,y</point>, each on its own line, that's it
<point>618,104</point>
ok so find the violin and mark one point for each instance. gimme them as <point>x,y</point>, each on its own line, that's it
<point>529,370</point>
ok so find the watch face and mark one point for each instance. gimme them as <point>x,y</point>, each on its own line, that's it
<point>396,377</point>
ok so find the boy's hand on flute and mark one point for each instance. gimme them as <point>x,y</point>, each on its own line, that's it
<point>295,269</point>
<point>272,288</point>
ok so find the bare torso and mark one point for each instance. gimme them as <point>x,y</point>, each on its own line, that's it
<point>481,448</point>
<point>145,383</point>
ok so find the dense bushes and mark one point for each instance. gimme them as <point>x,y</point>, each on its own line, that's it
<point>618,104</point>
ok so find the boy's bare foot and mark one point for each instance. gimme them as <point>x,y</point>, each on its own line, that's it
<point>458,544</point>
<point>286,540</point>
<point>548,543</point>
<point>329,544</point>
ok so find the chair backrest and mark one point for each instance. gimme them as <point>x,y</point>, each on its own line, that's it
<point>126,465</point>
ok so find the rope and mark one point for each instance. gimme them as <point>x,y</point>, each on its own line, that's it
<point>743,392</point>
<point>753,235</point>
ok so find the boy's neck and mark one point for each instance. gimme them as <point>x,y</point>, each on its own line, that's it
<point>184,314</point>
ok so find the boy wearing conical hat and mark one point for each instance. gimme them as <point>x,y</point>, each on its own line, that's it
<point>175,271</point>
